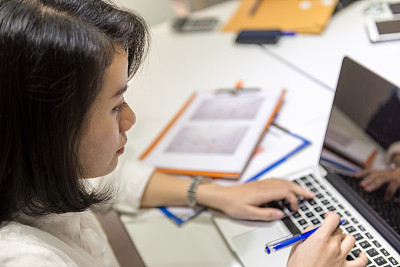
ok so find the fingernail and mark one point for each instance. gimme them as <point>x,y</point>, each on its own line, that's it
<point>279,214</point>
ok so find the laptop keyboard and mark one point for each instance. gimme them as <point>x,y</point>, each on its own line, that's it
<point>312,213</point>
<point>389,211</point>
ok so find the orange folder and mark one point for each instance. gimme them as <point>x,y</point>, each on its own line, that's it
<point>301,16</point>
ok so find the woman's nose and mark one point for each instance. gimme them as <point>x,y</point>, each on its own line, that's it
<point>127,120</point>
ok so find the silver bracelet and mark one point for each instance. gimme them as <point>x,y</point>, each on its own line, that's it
<point>191,193</point>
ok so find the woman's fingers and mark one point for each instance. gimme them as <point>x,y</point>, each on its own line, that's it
<point>361,261</point>
<point>347,244</point>
<point>330,225</point>
<point>391,190</point>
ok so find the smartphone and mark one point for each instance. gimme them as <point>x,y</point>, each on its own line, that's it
<point>380,30</point>
<point>194,24</point>
<point>394,8</point>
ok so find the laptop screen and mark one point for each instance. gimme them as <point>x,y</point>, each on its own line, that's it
<point>364,122</point>
<point>365,117</point>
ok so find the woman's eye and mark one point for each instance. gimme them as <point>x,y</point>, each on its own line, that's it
<point>120,107</point>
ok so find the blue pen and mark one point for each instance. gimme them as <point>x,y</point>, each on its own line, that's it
<point>290,241</point>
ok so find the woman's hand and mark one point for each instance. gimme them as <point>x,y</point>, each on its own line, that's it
<point>326,247</point>
<point>374,179</point>
<point>243,201</point>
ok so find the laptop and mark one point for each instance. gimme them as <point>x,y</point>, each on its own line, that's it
<point>365,112</point>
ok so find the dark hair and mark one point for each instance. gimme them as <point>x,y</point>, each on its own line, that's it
<point>53,55</point>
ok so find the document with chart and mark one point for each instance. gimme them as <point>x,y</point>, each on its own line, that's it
<point>215,133</point>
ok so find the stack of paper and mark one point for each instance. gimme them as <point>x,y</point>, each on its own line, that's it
<point>215,134</point>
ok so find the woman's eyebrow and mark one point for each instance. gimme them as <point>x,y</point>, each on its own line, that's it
<point>120,92</point>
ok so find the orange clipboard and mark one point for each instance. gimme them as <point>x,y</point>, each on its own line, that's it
<point>212,173</point>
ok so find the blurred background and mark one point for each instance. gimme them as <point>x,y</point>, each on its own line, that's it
<point>157,11</point>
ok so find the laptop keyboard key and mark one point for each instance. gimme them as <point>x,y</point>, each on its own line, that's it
<point>376,243</point>
<point>384,252</point>
<point>325,202</point>
<point>380,261</point>
<point>302,222</point>
<point>372,252</point>
<point>315,221</point>
<point>393,261</point>
<point>303,208</point>
<point>318,209</point>
<point>296,215</point>
<point>356,252</point>
<point>291,226</point>
<point>365,244</point>
<point>361,228</point>
<point>358,236</point>
<point>350,229</point>
<point>309,214</point>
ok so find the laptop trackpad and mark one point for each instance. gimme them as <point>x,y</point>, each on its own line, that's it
<point>250,246</point>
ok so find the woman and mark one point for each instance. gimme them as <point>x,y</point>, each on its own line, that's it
<point>63,118</point>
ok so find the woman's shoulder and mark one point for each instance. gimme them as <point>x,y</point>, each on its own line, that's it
<point>69,239</point>
<point>23,245</point>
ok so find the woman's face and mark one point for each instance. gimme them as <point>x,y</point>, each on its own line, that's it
<point>107,122</point>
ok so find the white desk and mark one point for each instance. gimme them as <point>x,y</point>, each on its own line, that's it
<point>320,55</point>
<point>182,63</point>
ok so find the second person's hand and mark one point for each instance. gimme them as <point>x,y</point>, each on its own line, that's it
<point>374,179</point>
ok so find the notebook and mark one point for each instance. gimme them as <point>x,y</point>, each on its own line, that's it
<point>366,108</point>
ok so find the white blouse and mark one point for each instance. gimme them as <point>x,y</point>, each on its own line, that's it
<point>71,239</point>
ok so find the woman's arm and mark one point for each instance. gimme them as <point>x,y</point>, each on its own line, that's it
<point>238,201</point>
